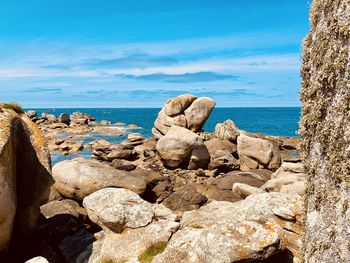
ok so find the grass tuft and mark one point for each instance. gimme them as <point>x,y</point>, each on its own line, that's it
<point>12,106</point>
<point>148,255</point>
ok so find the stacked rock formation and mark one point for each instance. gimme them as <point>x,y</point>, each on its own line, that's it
<point>325,132</point>
<point>176,127</point>
<point>185,111</point>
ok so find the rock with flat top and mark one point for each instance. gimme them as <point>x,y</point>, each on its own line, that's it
<point>250,230</point>
<point>79,177</point>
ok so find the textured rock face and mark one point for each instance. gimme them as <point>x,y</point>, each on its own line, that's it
<point>245,231</point>
<point>178,146</point>
<point>257,153</point>
<point>78,178</point>
<point>25,175</point>
<point>227,131</point>
<point>325,132</point>
<point>185,111</point>
<point>288,179</point>
<point>131,226</point>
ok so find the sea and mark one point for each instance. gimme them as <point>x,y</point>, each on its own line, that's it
<point>272,121</point>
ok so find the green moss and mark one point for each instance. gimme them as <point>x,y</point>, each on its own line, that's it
<point>13,106</point>
<point>148,255</point>
<point>196,226</point>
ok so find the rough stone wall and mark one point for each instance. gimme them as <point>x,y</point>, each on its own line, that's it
<point>25,177</point>
<point>325,132</point>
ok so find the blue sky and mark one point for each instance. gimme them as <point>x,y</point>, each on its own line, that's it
<point>138,53</point>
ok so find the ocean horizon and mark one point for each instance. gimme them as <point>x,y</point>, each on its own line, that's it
<point>276,121</point>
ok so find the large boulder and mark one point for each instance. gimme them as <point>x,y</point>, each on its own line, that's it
<point>198,113</point>
<point>178,146</point>
<point>256,152</point>
<point>178,105</point>
<point>133,227</point>
<point>227,131</point>
<point>25,176</point>
<point>79,177</point>
<point>118,209</point>
<point>289,179</point>
<point>186,111</point>
<point>250,230</point>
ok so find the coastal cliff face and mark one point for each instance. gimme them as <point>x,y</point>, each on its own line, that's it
<point>25,176</point>
<point>325,132</point>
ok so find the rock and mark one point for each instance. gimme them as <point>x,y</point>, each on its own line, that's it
<point>72,246</point>
<point>54,195</point>
<point>177,146</point>
<point>123,165</point>
<point>249,230</point>
<point>197,114</point>
<point>117,209</point>
<point>164,122</point>
<point>244,190</point>
<point>184,199</point>
<point>66,206</point>
<point>71,146</point>
<point>32,114</point>
<point>133,244</point>
<point>81,118</point>
<point>25,176</point>
<point>227,131</point>
<point>120,154</point>
<point>199,158</point>
<point>223,161</point>
<point>162,190</point>
<point>178,105</point>
<point>49,117</point>
<point>215,144</point>
<point>64,118</point>
<point>289,178</point>
<point>212,192</point>
<point>226,181</point>
<point>78,178</point>
<point>222,154</point>
<point>37,260</point>
<point>105,122</point>
<point>134,137</point>
<point>255,152</point>
<point>185,111</point>
<point>146,149</point>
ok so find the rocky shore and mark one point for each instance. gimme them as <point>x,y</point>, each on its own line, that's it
<point>183,196</point>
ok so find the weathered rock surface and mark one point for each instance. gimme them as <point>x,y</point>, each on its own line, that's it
<point>325,132</point>
<point>185,111</point>
<point>25,175</point>
<point>252,229</point>
<point>131,225</point>
<point>78,178</point>
<point>198,113</point>
<point>179,144</point>
<point>255,152</point>
<point>65,206</point>
<point>185,198</point>
<point>289,179</point>
<point>120,209</point>
<point>227,131</point>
